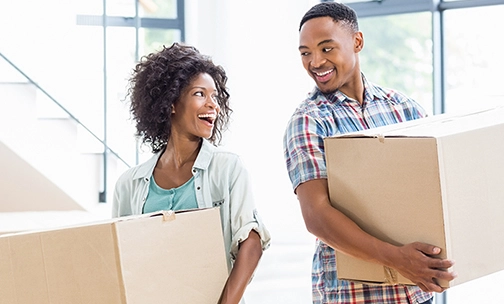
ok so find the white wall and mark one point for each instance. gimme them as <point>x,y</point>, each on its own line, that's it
<point>256,42</point>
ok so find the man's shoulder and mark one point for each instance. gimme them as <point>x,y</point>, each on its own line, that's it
<point>384,92</point>
<point>312,103</point>
<point>398,99</point>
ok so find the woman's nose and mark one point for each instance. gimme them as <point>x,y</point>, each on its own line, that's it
<point>213,102</point>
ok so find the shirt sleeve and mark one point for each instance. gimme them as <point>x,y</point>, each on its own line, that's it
<point>304,149</point>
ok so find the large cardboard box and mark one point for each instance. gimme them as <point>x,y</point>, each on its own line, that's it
<point>156,258</point>
<point>438,180</point>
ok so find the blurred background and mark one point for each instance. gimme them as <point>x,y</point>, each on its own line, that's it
<point>65,133</point>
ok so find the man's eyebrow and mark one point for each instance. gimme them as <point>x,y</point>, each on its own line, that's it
<point>325,41</point>
<point>318,44</point>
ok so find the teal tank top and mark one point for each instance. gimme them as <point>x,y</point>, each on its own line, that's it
<point>180,198</point>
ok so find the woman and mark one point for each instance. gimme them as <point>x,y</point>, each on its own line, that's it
<point>180,104</point>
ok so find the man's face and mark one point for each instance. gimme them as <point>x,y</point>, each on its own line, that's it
<point>329,52</point>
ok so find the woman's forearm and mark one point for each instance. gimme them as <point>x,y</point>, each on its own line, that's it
<point>249,254</point>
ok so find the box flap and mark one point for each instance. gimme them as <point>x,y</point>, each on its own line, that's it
<point>84,223</point>
<point>435,126</point>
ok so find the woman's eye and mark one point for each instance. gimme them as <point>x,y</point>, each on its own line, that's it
<point>304,53</point>
<point>199,93</point>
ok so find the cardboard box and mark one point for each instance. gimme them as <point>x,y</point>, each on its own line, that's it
<point>161,257</point>
<point>437,180</point>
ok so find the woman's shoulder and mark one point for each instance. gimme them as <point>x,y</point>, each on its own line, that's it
<point>225,152</point>
<point>219,152</point>
<point>224,158</point>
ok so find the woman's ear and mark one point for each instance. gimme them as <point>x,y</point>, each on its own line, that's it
<point>173,109</point>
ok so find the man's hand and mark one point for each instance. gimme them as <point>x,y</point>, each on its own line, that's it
<point>417,262</point>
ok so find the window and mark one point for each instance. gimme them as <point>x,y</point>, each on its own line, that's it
<point>398,54</point>
<point>474,58</point>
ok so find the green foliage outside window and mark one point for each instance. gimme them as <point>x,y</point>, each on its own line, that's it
<point>398,53</point>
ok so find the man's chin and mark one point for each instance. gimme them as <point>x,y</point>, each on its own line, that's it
<point>325,88</point>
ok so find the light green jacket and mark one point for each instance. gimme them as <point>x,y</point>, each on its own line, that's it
<point>220,180</point>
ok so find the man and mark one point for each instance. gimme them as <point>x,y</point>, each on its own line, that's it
<point>344,101</point>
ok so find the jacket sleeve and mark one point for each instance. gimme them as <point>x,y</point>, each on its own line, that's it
<point>122,195</point>
<point>243,212</point>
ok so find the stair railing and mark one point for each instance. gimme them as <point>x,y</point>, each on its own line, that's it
<point>107,149</point>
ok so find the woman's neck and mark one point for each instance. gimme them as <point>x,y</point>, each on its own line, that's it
<point>179,153</point>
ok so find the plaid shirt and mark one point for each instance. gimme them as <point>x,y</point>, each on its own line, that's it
<point>322,115</point>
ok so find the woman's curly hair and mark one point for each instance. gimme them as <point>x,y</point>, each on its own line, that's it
<point>157,83</point>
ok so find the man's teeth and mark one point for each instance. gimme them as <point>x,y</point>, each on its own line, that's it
<point>324,73</point>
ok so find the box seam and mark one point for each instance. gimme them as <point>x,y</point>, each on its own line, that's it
<point>444,207</point>
<point>122,286</point>
<point>45,268</point>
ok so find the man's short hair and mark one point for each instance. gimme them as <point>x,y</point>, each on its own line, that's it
<point>339,12</point>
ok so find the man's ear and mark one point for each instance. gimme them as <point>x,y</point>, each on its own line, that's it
<point>358,42</point>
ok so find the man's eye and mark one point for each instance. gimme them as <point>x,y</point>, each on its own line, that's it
<point>325,50</point>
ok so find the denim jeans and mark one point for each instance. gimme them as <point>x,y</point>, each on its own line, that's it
<point>429,301</point>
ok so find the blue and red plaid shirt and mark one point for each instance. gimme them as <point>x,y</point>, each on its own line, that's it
<point>323,115</point>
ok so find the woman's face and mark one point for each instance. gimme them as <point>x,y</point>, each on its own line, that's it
<point>194,115</point>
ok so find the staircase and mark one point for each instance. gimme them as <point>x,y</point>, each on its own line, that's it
<point>49,174</point>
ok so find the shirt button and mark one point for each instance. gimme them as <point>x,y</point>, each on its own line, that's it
<point>198,188</point>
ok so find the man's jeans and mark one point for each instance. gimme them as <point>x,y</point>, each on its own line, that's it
<point>429,301</point>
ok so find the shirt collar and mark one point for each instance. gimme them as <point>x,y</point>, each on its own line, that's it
<point>145,169</point>
<point>202,160</point>
<point>370,93</point>
<point>204,156</point>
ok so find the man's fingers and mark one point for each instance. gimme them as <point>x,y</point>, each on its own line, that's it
<point>423,287</point>
<point>444,275</point>
<point>430,287</point>
<point>440,264</point>
<point>433,287</point>
<point>427,249</point>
